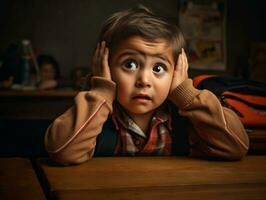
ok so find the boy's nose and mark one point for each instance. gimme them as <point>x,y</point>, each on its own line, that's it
<point>143,79</point>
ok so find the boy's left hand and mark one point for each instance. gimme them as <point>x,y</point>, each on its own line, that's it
<point>100,66</point>
<point>180,72</point>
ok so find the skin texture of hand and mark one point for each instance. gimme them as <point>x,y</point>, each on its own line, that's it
<point>181,71</point>
<point>100,66</point>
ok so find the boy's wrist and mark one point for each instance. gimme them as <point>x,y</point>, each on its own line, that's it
<point>183,94</point>
<point>103,87</point>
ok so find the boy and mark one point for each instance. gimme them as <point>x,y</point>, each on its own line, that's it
<point>139,81</point>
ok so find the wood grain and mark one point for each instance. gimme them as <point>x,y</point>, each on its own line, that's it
<point>18,180</point>
<point>154,176</point>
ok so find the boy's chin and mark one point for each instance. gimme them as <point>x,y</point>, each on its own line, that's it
<point>139,111</point>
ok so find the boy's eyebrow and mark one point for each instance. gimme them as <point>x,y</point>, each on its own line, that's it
<point>133,52</point>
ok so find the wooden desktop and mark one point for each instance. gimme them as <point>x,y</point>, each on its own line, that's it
<point>156,178</point>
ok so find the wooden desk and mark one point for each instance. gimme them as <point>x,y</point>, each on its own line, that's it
<point>157,178</point>
<point>18,180</point>
<point>34,105</point>
<point>24,117</point>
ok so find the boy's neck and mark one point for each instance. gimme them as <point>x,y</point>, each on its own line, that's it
<point>142,120</point>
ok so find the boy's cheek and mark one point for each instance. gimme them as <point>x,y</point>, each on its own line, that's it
<point>121,92</point>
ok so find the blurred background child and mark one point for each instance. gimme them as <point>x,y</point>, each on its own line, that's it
<point>49,72</point>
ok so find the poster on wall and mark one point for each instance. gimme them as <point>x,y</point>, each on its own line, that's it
<point>202,23</point>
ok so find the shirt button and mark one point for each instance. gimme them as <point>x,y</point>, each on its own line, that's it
<point>137,142</point>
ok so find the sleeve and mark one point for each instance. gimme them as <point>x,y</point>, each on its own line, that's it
<point>71,138</point>
<point>216,131</point>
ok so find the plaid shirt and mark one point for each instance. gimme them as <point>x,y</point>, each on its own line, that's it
<point>133,141</point>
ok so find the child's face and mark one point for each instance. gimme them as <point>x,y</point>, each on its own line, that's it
<point>143,72</point>
<point>47,72</point>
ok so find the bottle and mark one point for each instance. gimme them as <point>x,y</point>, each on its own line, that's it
<point>30,69</point>
<point>25,79</point>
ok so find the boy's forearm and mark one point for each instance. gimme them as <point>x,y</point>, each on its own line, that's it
<point>216,131</point>
<point>71,138</point>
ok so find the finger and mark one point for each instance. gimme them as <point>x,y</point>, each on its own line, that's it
<point>102,53</point>
<point>95,60</point>
<point>102,49</point>
<point>95,56</point>
<point>177,63</point>
<point>97,49</point>
<point>184,56</point>
<point>99,55</point>
<point>105,58</point>
<point>186,61</point>
<point>96,53</point>
<point>105,64</point>
<point>185,65</point>
<point>180,62</point>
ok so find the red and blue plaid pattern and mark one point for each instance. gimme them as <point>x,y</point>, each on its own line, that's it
<point>132,141</point>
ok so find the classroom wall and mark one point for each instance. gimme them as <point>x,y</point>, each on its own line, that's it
<point>66,29</point>
<point>69,29</point>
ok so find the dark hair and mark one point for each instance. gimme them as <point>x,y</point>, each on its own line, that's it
<point>142,22</point>
<point>48,59</point>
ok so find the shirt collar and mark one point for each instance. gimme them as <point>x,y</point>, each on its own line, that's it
<point>120,117</point>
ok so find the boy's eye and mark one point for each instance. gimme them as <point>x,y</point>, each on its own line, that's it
<point>130,65</point>
<point>159,68</point>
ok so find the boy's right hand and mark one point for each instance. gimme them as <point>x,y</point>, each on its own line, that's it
<point>100,66</point>
<point>180,72</point>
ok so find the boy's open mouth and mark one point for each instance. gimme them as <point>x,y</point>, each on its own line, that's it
<point>142,96</point>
